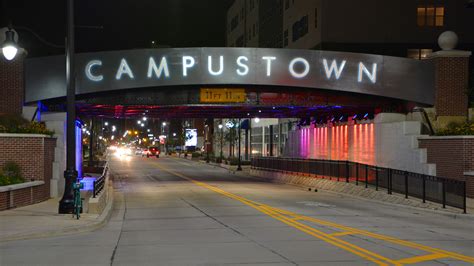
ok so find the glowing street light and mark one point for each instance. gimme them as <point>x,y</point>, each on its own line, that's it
<point>256,120</point>
<point>9,47</point>
<point>139,122</point>
<point>144,118</point>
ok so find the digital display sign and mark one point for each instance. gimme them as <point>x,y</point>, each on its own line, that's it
<point>190,138</point>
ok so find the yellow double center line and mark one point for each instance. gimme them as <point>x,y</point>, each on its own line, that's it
<point>292,219</point>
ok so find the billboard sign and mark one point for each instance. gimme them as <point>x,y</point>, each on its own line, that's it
<point>190,138</point>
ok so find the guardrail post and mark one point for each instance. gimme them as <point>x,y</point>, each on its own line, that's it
<point>357,174</point>
<point>444,193</point>
<point>406,186</point>
<point>464,197</point>
<point>347,171</point>
<point>376,178</point>
<point>93,191</point>
<point>366,176</point>
<point>424,188</point>
<point>389,181</point>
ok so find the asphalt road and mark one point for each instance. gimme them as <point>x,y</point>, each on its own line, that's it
<point>171,211</point>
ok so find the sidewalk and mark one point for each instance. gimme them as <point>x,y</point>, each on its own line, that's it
<point>42,220</point>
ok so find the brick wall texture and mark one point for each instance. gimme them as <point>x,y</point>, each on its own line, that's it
<point>451,81</point>
<point>12,92</point>
<point>452,157</point>
<point>35,156</point>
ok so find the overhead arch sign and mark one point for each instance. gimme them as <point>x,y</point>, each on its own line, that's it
<point>393,77</point>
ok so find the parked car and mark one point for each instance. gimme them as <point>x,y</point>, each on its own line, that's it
<point>145,152</point>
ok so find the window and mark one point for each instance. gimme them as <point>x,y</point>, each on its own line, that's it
<point>285,38</point>
<point>234,22</point>
<point>315,18</point>
<point>419,54</point>
<point>240,41</point>
<point>300,28</point>
<point>430,16</point>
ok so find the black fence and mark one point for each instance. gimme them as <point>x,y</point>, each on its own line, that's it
<point>99,183</point>
<point>436,189</point>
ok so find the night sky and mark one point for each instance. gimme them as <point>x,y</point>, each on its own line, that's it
<point>126,24</point>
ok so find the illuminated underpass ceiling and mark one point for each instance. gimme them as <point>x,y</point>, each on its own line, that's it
<point>263,103</point>
<point>215,111</point>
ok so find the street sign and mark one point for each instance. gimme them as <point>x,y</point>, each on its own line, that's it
<point>222,95</point>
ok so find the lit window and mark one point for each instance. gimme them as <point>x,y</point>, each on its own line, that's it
<point>421,14</point>
<point>419,54</point>
<point>439,17</point>
<point>430,16</point>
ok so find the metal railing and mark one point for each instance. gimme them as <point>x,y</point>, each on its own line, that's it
<point>99,183</point>
<point>441,190</point>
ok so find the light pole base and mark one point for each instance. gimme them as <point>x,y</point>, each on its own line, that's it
<point>239,168</point>
<point>66,205</point>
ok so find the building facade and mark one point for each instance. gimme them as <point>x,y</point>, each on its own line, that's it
<point>398,28</point>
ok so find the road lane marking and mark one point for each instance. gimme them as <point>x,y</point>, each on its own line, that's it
<point>342,233</point>
<point>281,215</point>
<point>418,259</point>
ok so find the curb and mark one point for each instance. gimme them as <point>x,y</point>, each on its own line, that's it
<point>103,219</point>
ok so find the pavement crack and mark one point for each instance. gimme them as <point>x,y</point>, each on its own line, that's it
<point>239,233</point>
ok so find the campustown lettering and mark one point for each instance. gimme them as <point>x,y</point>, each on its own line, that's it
<point>365,74</point>
<point>298,68</point>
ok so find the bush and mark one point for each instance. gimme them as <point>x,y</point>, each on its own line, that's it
<point>195,155</point>
<point>454,129</point>
<point>11,174</point>
<point>235,161</point>
<point>17,124</point>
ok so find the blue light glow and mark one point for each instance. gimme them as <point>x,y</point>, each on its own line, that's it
<point>79,148</point>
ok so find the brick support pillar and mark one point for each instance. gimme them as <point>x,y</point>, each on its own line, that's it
<point>12,90</point>
<point>451,83</point>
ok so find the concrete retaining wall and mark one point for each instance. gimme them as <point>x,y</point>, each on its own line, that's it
<point>382,143</point>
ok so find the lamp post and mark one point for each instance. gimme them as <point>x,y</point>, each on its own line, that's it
<point>239,166</point>
<point>9,50</point>
<point>221,127</point>
<point>66,205</point>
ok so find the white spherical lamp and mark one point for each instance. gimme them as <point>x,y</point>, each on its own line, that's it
<point>448,40</point>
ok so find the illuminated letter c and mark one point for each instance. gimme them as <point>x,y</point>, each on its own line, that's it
<point>88,70</point>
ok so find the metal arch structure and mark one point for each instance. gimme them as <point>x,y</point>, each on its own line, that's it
<point>170,72</point>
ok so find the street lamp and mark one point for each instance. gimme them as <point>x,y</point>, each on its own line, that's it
<point>221,127</point>
<point>239,167</point>
<point>9,47</point>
